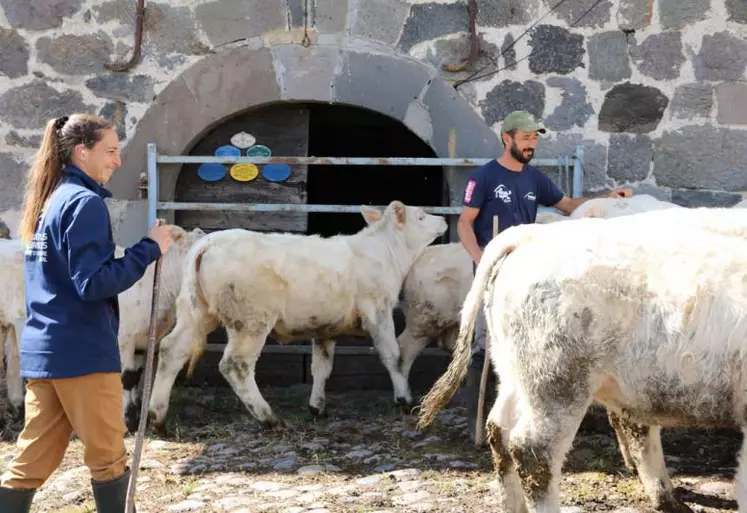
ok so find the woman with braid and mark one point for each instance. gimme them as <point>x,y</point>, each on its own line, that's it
<point>69,346</point>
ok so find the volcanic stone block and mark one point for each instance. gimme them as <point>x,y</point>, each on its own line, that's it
<point>629,157</point>
<point>701,157</point>
<point>13,138</point>
<point>32,105</point>
<point>736,11</point>
<point>722,57</point>
<point>380,20</point>
<point>595,157</point>
<point>502,13</point>
<point>227,20</point>
<point>509,96</point>
<point>14,57</point>
<point>76,55</point>
<point>692,100</point>
<point>732,103</point>
<point>578,13</point>
<point>574,109</point>
<point>12,174</point>
<point>632,108</point>
<point>608,56</point>
<point>116,112</point>
<point>137,88</point>
<point>555,50</point>
<point>380,92</point>
<point>634,14</point>
<point>330,16</point>
<point>660,56</point>
<point>677,14</point>
<point>693,198</point>
<point>39,14</point>
<point>432,20</point>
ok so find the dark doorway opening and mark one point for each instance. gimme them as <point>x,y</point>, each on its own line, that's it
<point>342,131</point>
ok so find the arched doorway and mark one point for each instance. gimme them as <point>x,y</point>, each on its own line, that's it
<point>319,130</point>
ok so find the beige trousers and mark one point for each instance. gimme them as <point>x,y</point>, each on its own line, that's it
<point>89,405</point>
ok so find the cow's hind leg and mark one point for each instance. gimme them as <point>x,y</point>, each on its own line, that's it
<point>647,457</point>
<point>385,342</point>
<point>132,370</point>
<point>501,420</point>
<point>622,440</point>
<point>238,366</point>
<point>322,358</point>
<point>539,442</point>
<point>174,350</point>
<point>410,347</point>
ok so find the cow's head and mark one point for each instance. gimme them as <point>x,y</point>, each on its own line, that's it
<point>415,225</point>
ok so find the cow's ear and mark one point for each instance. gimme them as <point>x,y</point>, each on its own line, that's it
<point>400,212</point>
<point>370,214</point>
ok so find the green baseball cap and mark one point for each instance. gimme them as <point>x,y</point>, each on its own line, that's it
<point>521,120</point>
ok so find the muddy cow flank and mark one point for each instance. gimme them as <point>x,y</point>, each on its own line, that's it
<point>135,309</point>
<point>646,314</point>
<point>296,288</point>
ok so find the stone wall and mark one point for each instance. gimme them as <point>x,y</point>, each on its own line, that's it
<point>653,89</point>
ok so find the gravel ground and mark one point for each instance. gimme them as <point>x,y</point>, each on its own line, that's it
<point>366,457</point>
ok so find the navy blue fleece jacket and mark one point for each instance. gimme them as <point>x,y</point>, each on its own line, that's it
<point>72,281</point>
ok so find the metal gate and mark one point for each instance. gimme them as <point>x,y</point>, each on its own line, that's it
<point>570,174</point>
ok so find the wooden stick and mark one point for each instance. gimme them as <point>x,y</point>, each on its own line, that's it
<point>485,368</point>
<point>130,500</point>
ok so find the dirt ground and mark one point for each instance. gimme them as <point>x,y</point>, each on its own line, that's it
<point>366,457</point>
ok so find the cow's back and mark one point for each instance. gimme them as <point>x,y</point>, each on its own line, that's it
<point>644,315</point>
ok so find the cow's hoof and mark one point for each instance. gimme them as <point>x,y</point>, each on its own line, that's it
<point>17,413</point>
<point>156,428</point>
<point>132,418</point>
<point>317,412</point>
<point>407,406</point>
<point>275,424</point>
<point>670,504</point>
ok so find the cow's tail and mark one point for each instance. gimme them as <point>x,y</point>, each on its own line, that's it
<point>201,317</point>
<point>447,385</point>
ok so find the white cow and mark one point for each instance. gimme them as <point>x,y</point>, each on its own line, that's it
<point>435,288</point>
<point>645,314</point>
<point>135,307</point>
<point>432,295</point>
<point>293,287</point>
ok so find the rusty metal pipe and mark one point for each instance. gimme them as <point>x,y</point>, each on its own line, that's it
<point>139,19</point>
<point>474,43</point>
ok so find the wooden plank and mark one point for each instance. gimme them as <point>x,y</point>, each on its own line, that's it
<point>282,128</point>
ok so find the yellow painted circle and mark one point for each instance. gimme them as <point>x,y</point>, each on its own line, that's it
<point>244,172</point>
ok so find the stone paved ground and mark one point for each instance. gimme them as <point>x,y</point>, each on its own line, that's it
<point>366,457</point>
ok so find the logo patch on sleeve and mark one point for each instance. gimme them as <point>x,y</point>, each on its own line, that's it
<point>469,190</point>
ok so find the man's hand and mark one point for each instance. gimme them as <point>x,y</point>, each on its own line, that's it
<point>621,192</point>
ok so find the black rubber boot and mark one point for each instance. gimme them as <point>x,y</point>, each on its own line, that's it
<point>472,393</point>
<point>110,496</point>
<point>13,500</point>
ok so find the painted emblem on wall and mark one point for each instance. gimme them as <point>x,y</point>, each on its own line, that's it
<point>243,140</point>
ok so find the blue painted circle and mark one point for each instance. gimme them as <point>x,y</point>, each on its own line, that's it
<point>276,172</point>
<point>211,172</point>
<point>259,150</point>
<point>228,151</point>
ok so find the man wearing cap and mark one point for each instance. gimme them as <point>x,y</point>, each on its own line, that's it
<point>511,189</point>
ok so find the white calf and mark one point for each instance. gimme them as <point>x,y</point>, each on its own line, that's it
<point>293,287</point>
<point>432,295</point>
<point>645,314</point>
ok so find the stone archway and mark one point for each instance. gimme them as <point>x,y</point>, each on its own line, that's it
<point>226,83</point>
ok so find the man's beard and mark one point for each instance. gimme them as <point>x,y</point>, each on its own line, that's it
<point>521,157</point>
